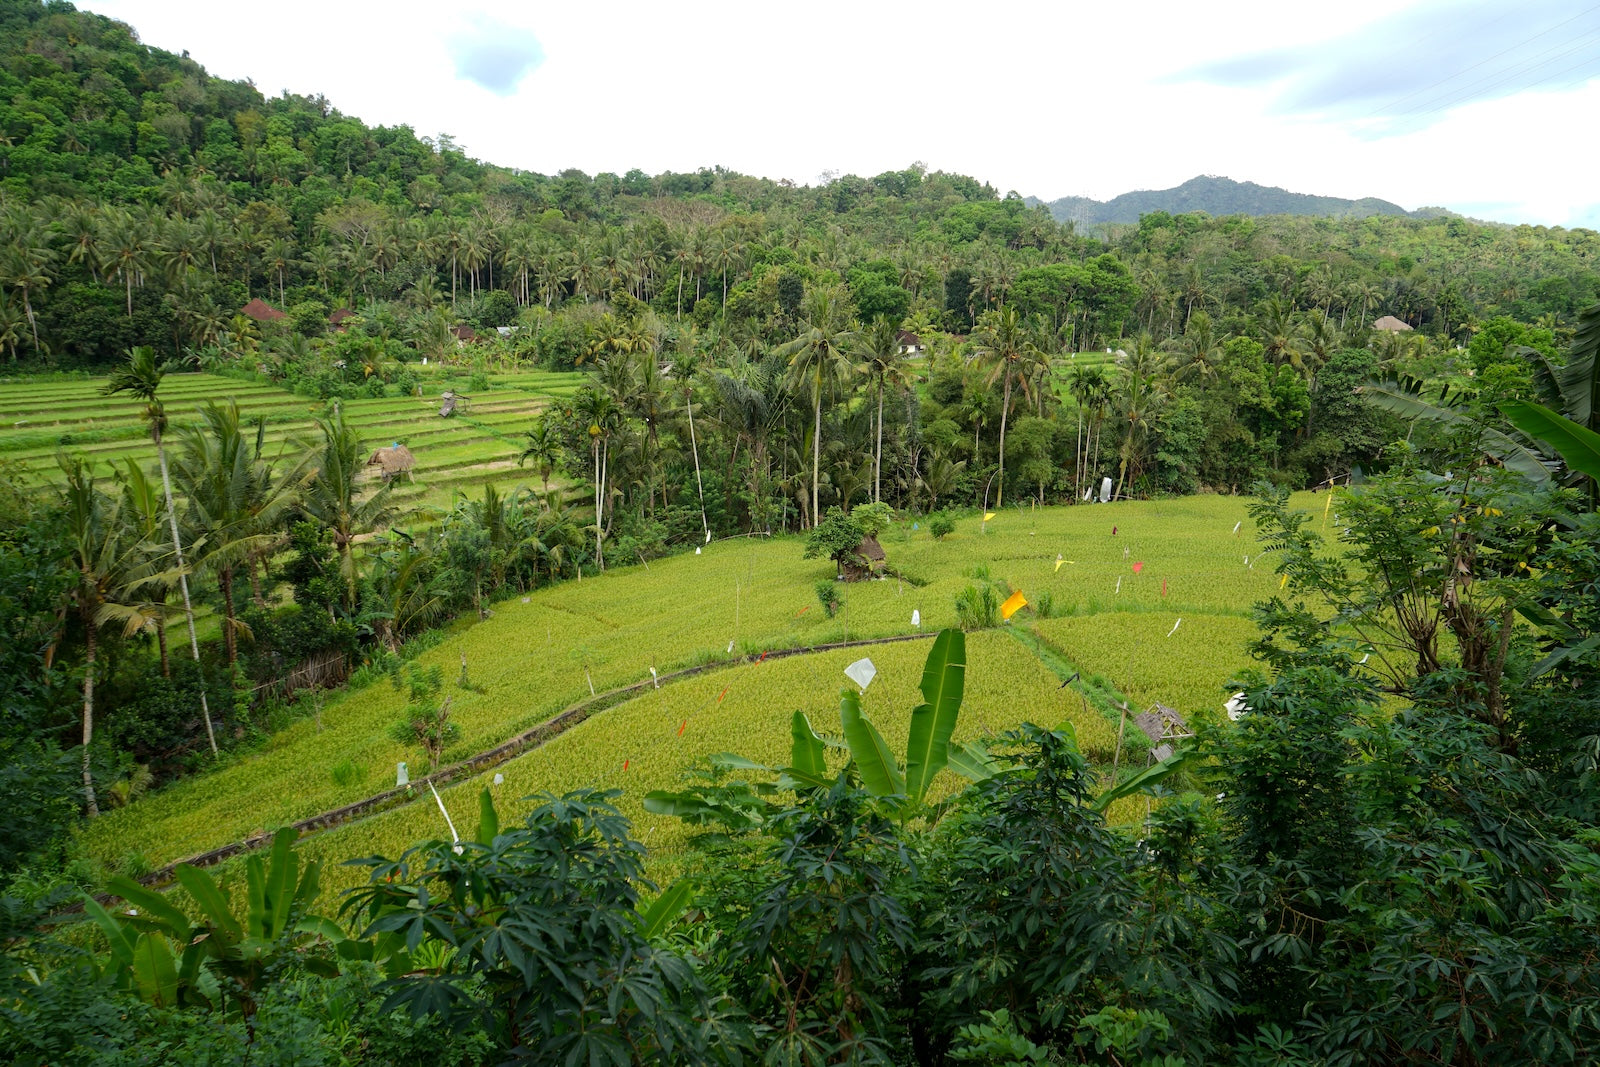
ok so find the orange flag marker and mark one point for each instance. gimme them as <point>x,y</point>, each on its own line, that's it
<point>684,725</point>
<point>725,688</point>
<point>1014,603</point>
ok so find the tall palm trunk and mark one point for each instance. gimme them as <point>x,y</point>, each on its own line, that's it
<point>877,457</point>
<point>816,454</point>
<point>694,448</point>
<point>1077,461</point>
<point>599,484</point>
<point>1005,409</point>
<point>229,637</point>
<point>183,583</point>
<point>88,714</point>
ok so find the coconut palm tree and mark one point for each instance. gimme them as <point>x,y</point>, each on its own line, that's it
<point>113,565</point>
<point>882,364</point>
<point>595,407</point>
<point>332,494</point>
<point>1005,347</point>
<point>236,502</point>
<point>544,448</point>
<point>818,361</point>
<point>141,377</point>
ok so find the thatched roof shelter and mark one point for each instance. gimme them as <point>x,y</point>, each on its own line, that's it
<point>867,560</point>
<point>1391,324</point>
<point>394,460</point>
<point>262,311</point>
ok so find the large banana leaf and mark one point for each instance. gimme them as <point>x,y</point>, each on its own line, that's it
<point>934,720</point>
<point>1579,377</point>
<point>666,908</point>
<point>807,755</point>
<point>879,772</point>
<point>488,819</point>
<point>155,971</point>
<point>1514,454</point>
<point>213,905</point>
<point>154,906</point>
<point>122,939</point>
<point>1578,445</point>
<point>283,880</point>
<point>972,761</point>
<point>1140,782</point>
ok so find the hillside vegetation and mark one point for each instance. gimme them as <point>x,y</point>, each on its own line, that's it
<point>664,436</point>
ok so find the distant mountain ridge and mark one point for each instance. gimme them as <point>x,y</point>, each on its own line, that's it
<point>1216,195</point>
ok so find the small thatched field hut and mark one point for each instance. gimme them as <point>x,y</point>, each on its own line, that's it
<point>393,461</point>
<point>867,561</point>
<point>1391,324</point>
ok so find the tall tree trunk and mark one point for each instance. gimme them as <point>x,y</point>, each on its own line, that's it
<point>599,481</point>
<point>253,565</point>
<point>88,715</point>
<point>230,639</point>
<point>1077,461</point>
<point>183,583</point>
<point>816,455</point>
<point>1005,408</point>
<point>694,448</point>
<point>877,456</point>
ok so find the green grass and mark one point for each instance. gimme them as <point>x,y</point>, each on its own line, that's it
<point>758,595</point>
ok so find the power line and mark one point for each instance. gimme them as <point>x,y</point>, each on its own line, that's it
<point>1488,83</point>
<point>1489,59</point>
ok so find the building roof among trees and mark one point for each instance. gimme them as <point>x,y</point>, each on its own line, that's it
<point>262,311</point>
<point>1392,324</point>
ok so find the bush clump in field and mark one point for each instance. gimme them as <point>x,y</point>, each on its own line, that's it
<point>828,596</point>
<point>425,722</point>
<point>941,525</point>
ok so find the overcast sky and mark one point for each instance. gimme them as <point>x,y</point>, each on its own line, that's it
<point>1484,107</point>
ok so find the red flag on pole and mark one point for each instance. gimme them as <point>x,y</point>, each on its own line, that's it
<point>1137,567</point>
<point>1163,587</point>
<point>725,688</point>
<point>624,764</point>
<point>685,724</point>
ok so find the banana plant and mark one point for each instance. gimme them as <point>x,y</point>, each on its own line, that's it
<point>929,751</point>
<point>166,958</point>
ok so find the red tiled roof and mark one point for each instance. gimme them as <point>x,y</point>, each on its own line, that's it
<point>262,311</point>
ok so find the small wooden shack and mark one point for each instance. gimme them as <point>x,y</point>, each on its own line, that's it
<point>867,561</point>
<point>393,461</point>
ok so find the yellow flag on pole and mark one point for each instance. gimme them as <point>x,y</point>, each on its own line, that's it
<point>988,515</point>
<point>1014,603</point>
<point>1284,582</point>
<point>1059,561</point>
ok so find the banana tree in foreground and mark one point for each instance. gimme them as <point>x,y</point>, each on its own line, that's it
<point>903,787</point>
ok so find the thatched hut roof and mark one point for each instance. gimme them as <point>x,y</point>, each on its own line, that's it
<point>870,549</point>
<point>396,459</point>
<point>1391,324</point>
<point>262,311</point>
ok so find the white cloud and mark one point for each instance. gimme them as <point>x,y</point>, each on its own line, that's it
<point>1044,98</point>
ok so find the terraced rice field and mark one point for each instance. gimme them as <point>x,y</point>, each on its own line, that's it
<point>735,600</point>
<point>477,445</point>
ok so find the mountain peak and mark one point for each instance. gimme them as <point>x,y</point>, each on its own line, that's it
<point>1214,194</point>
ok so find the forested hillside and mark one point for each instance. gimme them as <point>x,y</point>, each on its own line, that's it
<point>1217,196</point>
<point>228,609</point>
